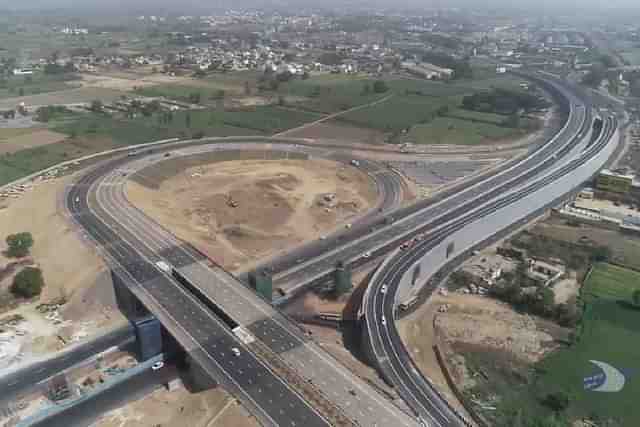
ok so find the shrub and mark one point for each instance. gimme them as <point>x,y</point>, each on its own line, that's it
<point>19,244</point>
<point>28,283</point>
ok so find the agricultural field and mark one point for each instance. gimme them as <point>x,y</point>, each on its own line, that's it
<point>611,282</point>
<point>611,334</point>
<point>399,112</point>
<point>15,86</point>
<point>330,93</point>
<point>451,130</point>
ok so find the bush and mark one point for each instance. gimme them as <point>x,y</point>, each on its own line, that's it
<point>558,401</point>
<point>380,86</point>
<point>28,283</point>
<point>19,244</point>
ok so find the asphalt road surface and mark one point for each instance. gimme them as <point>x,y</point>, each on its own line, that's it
<point>24,380</point>
<point>87,412</point>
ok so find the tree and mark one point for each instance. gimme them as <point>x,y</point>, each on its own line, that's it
<point>21,92</point>
<point>366,89</point>
<point>28,283</point>
<point>19,244</point>
<point>194,97</point>
<point>187,120</point>
<point>96,106</point>
<point>247,88</point>
<point>281,101</point>
<point>557,401</point>
<point>379,86</point>
<point>199,73</point>
<point>512,121</point>
<point>442,111</point>
<point>635,297</point>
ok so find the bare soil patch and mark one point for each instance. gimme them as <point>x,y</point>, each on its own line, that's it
<point>339,132</point>
<point>240,211</point>
<point>212,408</point>
<point>37,138</point>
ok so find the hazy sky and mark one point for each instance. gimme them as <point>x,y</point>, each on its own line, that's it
<point>190,5</point>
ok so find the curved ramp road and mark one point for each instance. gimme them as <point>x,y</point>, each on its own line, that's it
<point>133,244</point>
<point>431,254</point>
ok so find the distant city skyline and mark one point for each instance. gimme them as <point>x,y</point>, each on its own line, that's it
<point>189,6</point>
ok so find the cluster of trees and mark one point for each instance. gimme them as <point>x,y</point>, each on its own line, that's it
<point>54,68</point>
<point>45,114</point>
<point>511,289</point>
<point>503,101</point>
<point>28,282</point>
<point>461,67</point>
<point>19,244</point>
<point>452,43</point>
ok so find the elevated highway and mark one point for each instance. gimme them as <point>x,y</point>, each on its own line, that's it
<point>134,244</point>
<point>479,224</point>
<point>308,387</point>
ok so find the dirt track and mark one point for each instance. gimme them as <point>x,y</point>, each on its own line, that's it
<point>280,203</point>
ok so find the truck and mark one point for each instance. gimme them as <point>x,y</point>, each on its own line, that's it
<point>355,162</point>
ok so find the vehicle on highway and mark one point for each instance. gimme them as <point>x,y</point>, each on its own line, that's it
<point>235,351</point>
<point>355,163</point>
<point>167,154</point>
<point>77,199</point>
<point>347,226</point>
<point>366,254</point>
<point>323,237</point>
<point>383,289</point>
<point>383,321</point>
<point>157,366</point>
<point>163,266</point>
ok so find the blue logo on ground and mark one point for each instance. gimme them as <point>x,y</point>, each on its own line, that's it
<point>607,379</point>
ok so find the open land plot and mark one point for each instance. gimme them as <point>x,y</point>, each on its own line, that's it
<point>92,133</point>
<point>64,97</point>
<point>29,138</point>
<point>611,334</point>
<point>611,282</point>
<point>211,408</point>
<point>280,203</point>
<point>340,132</point>
<point>624,249</point>
<point>70,269</point>
<point>398,112</point>
<point>451,130</point>
<point>331,93</point>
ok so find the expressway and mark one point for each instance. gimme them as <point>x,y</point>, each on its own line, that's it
<point>133,244</point>
<point>393,359</point>
<point>380,238</point>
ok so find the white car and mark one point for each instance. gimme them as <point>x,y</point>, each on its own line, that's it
<point>366,255</point>
<point>384,321</point>
<point>383,289</point>
<point>157,366</point>
<point>77,199</point>
<point>164,266</point>
<point>235,351</point>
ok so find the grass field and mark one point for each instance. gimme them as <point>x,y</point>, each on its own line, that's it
<point>34,85</point>
<point>399,112</point>
<point>611,334</point>
<point>449,130</point>
<point>181,92</point>
<point>611,282</point>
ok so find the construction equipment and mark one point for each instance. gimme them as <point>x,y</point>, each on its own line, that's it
<point>230,202</point>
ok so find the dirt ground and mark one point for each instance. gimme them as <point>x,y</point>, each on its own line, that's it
<point>70,269</point>
<point>339,132</point>
<point>212,408</point>
<point>37,138</point>
<point>474,321</point>
<point>280,204</point>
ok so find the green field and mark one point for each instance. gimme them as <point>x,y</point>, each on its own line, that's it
<point>611,282</point>
<point>399,112</point>
<point>449,130</point>
<point>611,334</point>
<point>37,83</point>
<point>329,93</point>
